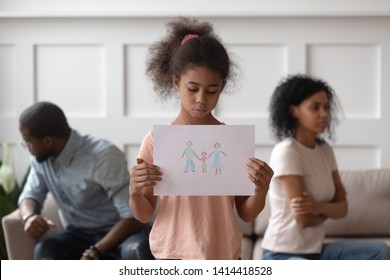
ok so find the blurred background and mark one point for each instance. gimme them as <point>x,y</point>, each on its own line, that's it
<point>89,58</point>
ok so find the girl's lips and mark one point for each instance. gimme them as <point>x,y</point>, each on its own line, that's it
<point>322,126</point>
<point>199,110</point>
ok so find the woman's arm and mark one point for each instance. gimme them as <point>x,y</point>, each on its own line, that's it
<point>301,203</point>
<point>143,178</point>
<point>338,207</point>
<point>248,207</point>
<point>306,210</point>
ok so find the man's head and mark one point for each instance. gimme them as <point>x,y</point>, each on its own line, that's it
<point>44,129</point>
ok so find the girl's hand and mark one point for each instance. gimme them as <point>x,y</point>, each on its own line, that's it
<point>303,205</point>
<point>259,173</point>
<point>143,175</point>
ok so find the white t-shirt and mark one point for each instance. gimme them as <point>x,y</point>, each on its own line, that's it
<point>316,165</point>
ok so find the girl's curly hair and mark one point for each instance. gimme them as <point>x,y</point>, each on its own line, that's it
<point>170,57</point>
<point>293,90</point>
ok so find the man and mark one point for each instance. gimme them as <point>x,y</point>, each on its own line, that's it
<point>89,180</point>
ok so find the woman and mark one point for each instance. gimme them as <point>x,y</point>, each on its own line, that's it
<point>306,189</point>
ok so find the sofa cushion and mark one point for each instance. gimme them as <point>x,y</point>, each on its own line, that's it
<point>246,228</point>
<point>368,194</point>
<point>247,248</point>
<point>261,221</point>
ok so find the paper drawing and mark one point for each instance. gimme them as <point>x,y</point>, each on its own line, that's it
<point>210,159</point>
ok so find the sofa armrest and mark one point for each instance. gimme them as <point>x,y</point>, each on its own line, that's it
<point>19,245</point>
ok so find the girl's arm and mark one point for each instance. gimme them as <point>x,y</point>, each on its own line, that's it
<point>143,178</point>
<point>248,207</point>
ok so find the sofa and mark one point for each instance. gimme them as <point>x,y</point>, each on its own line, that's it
<point>19,245</point>
<point>368,193</point>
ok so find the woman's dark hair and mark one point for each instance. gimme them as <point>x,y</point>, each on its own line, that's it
<point>45,119</point>
<point>293,90</point>
<point>170,57</point>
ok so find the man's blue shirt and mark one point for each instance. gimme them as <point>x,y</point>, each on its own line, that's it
<point>89,180</point>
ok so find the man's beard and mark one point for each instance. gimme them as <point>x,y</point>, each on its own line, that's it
<point>42,158</point>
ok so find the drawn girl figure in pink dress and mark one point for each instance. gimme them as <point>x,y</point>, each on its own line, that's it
<point>217,161</point>
<point>203,159</point>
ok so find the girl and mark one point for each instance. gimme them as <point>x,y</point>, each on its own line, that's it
<point>307,189</point>
<point>192,61</point>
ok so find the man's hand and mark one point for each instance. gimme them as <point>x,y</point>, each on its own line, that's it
<point>37,226</point>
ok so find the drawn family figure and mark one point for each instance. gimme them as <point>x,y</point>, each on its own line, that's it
<point>203,159</point>
<point>217,161</point>
<point>189,153</point>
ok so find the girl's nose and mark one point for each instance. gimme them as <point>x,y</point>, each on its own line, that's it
<point>324,112</point>
<point>200,97</point>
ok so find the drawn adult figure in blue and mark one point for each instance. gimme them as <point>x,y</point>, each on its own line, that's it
<point>217,161</point>
<point>189,153</point>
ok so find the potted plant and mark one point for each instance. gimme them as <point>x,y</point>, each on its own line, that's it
<point>9,193</point>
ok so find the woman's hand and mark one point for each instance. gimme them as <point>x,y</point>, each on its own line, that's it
<point>303,205</point>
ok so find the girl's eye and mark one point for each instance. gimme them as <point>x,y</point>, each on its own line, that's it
<point>211,92</point>
<point>315,107</point>
<point>193,89</point>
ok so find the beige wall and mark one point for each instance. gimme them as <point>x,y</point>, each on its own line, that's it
<point>91,62</point>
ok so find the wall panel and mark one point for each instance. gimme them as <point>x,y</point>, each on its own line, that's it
<point>7,81</point>
<point>73,76</point>
<point>353,71</point>
<point>94,68</point>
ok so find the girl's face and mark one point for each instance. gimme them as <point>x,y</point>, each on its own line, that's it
<point>312,114</point>
<point>199,90</point>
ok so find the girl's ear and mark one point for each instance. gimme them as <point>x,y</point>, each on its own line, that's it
<point>223,85</point>
<point>293,111</point>
<point>175,81</point>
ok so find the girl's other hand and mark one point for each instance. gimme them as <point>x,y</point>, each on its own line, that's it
<point>259,173</point>
<point>143,175</point>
